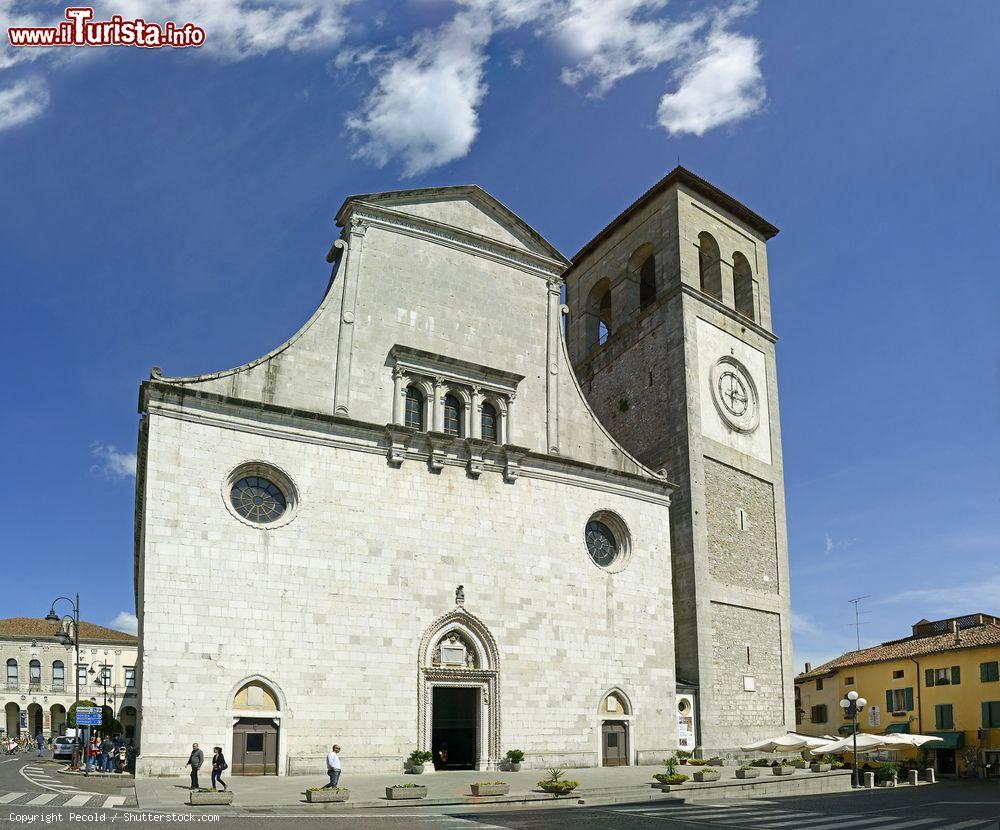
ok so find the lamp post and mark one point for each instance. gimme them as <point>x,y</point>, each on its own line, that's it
<point>105,671</point>
<point>851,705</point>
<point>70,623</point>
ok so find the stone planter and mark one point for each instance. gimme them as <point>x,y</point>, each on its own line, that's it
<point>800,763</point>
<point>556,789</point>
<point>717,762</point>
<point>327,795</point>
<point>706,776</point>
<point>782,770</point>
<point>197,799</point>
<point>667,780</point>
<point>401,793</point>
<point>820,767</point>
<point>747,773</point>
<point>514,767</point>
<point>490,789</point>
<point>416,769</point>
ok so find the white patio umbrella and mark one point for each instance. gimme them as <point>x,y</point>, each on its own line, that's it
<point>871,743</point>
<point>789,742</point>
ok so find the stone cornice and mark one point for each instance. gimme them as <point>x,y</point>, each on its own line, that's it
<point>373,215</point>
<point>197,406</point>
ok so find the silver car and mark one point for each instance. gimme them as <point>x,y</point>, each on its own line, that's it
<point>62,749</point>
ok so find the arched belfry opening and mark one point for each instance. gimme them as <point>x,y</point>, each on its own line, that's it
<point>598,322</point>
<point>642,268</point>
<point>458,690</point>
<point>709,265</point>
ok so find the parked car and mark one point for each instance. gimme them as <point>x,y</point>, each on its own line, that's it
<point>62,749</point>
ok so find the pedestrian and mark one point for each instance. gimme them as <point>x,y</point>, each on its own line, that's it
<point>130,758</point>
<point>92,750</point>
<point>121,759</point>
<point>333,767</point>
<point>107,753</point>
<point>195,760</point>
<point>219,765</point>
<point>40,743</point>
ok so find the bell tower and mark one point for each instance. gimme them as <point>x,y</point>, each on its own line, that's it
<point>670,335</point>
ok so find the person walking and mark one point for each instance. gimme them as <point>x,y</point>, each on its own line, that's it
<point>107,754</point>
<point>195,760</point>
<point>219,765</point>
<point>333,767</point>
<point>93,747</point>
<point>40,743</point>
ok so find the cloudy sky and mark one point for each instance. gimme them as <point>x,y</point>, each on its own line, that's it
<point>173,207</point>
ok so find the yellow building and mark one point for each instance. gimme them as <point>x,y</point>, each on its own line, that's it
<point>944,680</point>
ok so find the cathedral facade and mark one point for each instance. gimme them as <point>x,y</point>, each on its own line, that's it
<point>443,516</point>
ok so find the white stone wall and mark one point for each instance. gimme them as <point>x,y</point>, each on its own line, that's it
<point>331,607</point>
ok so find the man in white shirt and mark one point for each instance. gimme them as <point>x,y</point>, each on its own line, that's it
<point>333,766</point>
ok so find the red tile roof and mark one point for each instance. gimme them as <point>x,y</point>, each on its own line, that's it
<point>37,627</point>
<point>977,637</point>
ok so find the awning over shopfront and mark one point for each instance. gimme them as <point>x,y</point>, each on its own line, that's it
<point>898,727</point>
<point>949,740</point>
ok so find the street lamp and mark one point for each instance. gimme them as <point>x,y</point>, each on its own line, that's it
<point>851,705</point>
<point>70,623</point>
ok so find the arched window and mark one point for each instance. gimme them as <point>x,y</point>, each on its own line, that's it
<point>58,674</point>
<point>647,282</point>
<point>12,672</point>
<point>598,317</point>
<point>743,286</point>
<point>414,408</point>
<point>35,673</point>
<point>490,424</point>
<point>452,415</point>
<point>709,265</point>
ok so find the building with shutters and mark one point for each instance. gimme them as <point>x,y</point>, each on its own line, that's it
<point>944,680</point>
<point>440,515</point>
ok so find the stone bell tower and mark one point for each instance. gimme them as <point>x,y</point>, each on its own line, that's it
<point>670,335</point>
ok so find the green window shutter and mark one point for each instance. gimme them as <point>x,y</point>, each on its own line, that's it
<point>989,672</point>
<point>929,678</point>
<point>909,698</point>
<point>984,673</point>
<point>956,675</point>
<point>937,716</point>
<point>986,715</point>
<point>888,700</point>
<point>949,716</point>
<point>995,713</point>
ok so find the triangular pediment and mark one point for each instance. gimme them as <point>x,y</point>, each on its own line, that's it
<point>467,208</point>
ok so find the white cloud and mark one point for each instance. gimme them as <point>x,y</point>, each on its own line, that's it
<point>113,464</point>
<point>949,600</point>
<point>612,39</point>
<point>829,544</point>
<point>424,108</point>
<point>722,84</point>
<point>22,101</point>
<point>125,621</point>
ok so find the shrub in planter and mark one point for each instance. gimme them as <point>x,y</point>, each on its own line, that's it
<point>886,773</point>
<point>207,797</point>
<point>717,761</point>
<point>784,768</point>
<point>670,778</point>
<point>819,766</point>
<point>514,758</point>
<point>417,759</point>
<point>405,791</point>
<point>556,784</point>
<point>707,774</point>
<point>759,762</point>
<point>324,795</point>
<point>747,771</point>
<point>698,762</point>
<point>683,755</point>
<point>800,763</point>
<point>480,788</point>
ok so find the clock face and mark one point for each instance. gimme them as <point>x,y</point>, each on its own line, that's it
<point>735,395</point>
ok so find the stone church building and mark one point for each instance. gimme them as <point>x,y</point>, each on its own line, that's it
<point>454,513</point>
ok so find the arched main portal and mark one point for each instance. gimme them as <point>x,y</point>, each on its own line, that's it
<point>458,691</point>
<point>256,743</point>
<point>614,729</point>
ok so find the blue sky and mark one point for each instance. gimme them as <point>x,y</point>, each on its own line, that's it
<point>174,208</point>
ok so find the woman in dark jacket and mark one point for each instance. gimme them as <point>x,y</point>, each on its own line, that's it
<point>218,765</point>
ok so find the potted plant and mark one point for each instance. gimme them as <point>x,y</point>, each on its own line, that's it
<point>820,765</point>
<point>698,762</point>
<point>415,763</point>
<point>759,762</point>
<point>683,755</point>
<point>707,774</point>
<point>205,797</point>
<point>717,761</point>
<point>671,776</point>
<point>886,772</point>
<point>783,768</point>
<point>325,795</point>
<point>514,758</point>
<point>481,788</point>
<point>556,784</point>
<point>747,771</point>
<point>398,792</point>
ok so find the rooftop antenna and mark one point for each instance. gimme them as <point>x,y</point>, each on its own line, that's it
<point>857,616</point>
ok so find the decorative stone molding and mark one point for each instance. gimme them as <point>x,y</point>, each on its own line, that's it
<point>512,461</point>
<point>477,450</point>
<point>398,437</point>
<point>439,443</point>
